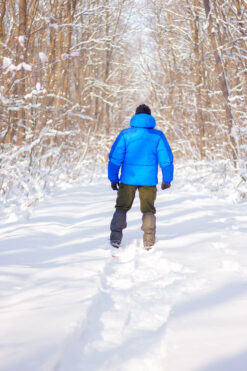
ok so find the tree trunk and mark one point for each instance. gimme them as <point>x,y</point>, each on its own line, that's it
<point>222,80</point>
<point>2,28</point>
<point>20,75</point>
<point>198,82</point>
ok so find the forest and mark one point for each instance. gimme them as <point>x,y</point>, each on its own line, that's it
<point>73,71</point>
<point>169,290</point>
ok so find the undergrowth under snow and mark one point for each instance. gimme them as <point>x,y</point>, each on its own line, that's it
<point>22,187</point>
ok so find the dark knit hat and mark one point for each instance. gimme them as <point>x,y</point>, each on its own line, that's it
<point>143,109</point>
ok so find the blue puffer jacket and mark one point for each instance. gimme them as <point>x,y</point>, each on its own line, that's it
<point>138,150</point>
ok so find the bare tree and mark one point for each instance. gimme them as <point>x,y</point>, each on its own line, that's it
<point>222,77</point>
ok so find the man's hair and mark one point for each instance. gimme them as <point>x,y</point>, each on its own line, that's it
<point>143,109</point>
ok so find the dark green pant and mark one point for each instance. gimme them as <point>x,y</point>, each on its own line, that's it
<point>125,198</point>
<point>126,195</point>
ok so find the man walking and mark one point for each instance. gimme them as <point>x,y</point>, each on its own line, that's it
<point>137,151</point>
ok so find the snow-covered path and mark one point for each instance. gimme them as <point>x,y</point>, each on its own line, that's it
<point>66,305</point>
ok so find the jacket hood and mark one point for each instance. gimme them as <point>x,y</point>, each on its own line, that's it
<point>143,120</point>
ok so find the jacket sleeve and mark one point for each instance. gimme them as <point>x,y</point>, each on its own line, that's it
<point>116,158</point>
<point>165,159</point>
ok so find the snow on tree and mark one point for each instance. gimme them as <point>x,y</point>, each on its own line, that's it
<point>72,73</point>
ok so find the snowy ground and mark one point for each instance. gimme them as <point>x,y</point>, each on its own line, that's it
<point>66,305</point>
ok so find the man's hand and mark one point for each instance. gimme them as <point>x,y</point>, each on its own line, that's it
<point>165,185</point>
<point>115,186</point>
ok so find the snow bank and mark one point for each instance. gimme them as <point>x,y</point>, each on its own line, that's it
<point>38,168</point>
<point>219,178</point>
<point>27,176</point>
